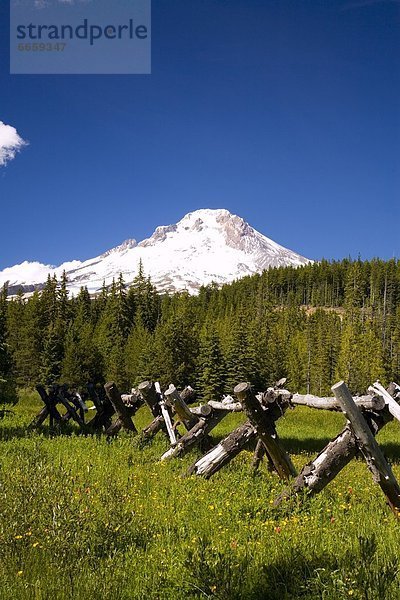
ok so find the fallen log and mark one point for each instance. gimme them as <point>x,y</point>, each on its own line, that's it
<point>203,410</point>
<point>227,406</point>
<point>50,401</point>
<point>149,393</point>
<point>259,452</point>
<point>166,414</point>
<point>154,427</point>
<point>148,390</point>
<point>40,418</point>
<point>42,415</point>
<point>275,402</point>
<point>59,395</point>
<point>391,403</point>
<point>98,396</point>
<point>132,404</point>
<point>72,413</point>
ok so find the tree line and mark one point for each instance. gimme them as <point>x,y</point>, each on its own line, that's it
<point>314,325</point>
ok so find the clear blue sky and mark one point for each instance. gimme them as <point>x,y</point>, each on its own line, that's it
<point>285,112</point>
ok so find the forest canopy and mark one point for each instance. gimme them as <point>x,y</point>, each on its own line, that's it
<point>314,325</point>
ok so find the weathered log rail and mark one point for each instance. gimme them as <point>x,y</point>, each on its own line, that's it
<point>171,413</point>
<point>58,394</point>
<point>357,438</point>
<point>224,452</point>
<point>377,464</point>
<point>262,414</point>
<point>267,407</point>
<point>162,407</point>
<point>367,402</point>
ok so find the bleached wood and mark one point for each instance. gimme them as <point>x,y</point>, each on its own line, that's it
<point>264,424</point>
<point>258,455</point>
<point>196,435</point>
<point>168,422</point>
<point>319,472</point>
<point>132,399</point>
<point>204,410</point>
<point>187,395</point>
<point>165,414</point>
<point>148,391</point>
<point>368,402</point>
<point>229,407</point>
<point>154,427</point>
<point>377,464</point>
<point>115,398</point>
<point>81,402</point>
<point>224,452</point>
<point>181,408</point>
<point>378,389</point>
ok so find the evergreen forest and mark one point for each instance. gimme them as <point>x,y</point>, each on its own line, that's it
<point>314,325</point>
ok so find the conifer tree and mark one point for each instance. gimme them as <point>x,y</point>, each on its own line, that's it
<point>16,323</point>
<point>51,358</point>
<point>211,365</point>
<point>298,362</point>
<point>140,355</point>
<point>143,300</point>
<point>240,353</point>
<point>27,325</point>
<point>111,333</point>
<point>176,343</point>
<point>368,360</point>
<point>82,361</point>
<point>7,385</point>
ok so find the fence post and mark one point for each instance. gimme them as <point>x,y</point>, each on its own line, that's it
<point>377,464</point>
<point>265,428</point>
<point>120,408</point>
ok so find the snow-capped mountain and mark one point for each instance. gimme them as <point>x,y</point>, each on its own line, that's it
<point>205,246</point>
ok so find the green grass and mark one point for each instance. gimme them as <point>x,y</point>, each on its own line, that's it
<point>87,518</point>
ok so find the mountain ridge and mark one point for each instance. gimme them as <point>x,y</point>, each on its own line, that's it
<point>206,245</point>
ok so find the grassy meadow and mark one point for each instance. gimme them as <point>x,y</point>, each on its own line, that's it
<point>89,518</point>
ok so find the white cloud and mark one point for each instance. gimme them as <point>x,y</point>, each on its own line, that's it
<point>10,143</point>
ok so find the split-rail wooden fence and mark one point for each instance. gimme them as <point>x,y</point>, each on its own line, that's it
<point>187,427</point>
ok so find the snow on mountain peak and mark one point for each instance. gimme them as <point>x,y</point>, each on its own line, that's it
<point>122,248</point>
<point>206,245</point>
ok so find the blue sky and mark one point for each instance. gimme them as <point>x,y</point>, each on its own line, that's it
<point>284,112</point>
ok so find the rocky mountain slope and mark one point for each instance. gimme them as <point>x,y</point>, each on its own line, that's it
<point>205,246</point>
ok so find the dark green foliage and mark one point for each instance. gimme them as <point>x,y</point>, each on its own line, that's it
<point>143,301</point>
<point>7,383</point>
<point>140,355</point>
<point>176,340</point>
<point>111,333</point>
<point>313,325</point>
<point>242,361</point>
<point>211,365</point>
